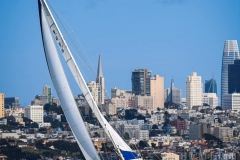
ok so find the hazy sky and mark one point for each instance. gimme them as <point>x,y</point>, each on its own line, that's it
<point>171,38</point>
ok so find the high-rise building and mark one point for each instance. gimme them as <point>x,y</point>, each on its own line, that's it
<point>173,94</point>
<point>196,131</point>
<point>234,77</point>
<point>231,101</point>
<point>210,86</point>
<point>100,82</point>
<point>2,111</point>
<point>145,102</point>
<point>47,91</point>
<point>193,90</point>
<point>157,91</point>
<point>35,113</point>
<point>141,82</point>
<point>11,102</point>
<point>210,99</point>
<point>230,53</point>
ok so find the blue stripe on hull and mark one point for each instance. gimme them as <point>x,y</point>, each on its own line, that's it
<point>129,155</point>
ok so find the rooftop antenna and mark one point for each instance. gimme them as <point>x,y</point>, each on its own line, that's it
<point>212,83</point>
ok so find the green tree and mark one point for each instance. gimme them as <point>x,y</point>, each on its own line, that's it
<point>27,121</point>
<point>153,145</point>
<point>47,154</point>
<point>166,115</point>
<point>154,126</point>
<point>49,144</point>
<point>106,148</point>
<point>34,125</point>
<point>39,144</point>
<point>142,144</point>
<point>170,105</point>
<point>56,124</point>
<point>218,108</point>
<point>12,152</point>
<point>6,127</point>
<point>96,134</point>
<point>31,156</point>
<point>126,136</point>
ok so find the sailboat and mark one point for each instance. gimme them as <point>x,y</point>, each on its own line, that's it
<point>53,38</point>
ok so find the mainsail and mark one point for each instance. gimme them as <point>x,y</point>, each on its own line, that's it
<point>124,151</point>
<point>62,88</point>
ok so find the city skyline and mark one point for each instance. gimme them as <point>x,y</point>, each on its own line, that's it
<point>171,39</point>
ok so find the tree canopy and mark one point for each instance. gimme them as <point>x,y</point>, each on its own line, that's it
<point>218,108</point>
<point>143,144</point>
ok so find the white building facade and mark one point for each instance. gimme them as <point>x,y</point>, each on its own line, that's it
<point>35,113</point>
<point>210,98</point>
<point>193,90</point>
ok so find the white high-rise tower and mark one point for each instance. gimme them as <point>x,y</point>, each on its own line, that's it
<point>230,53</point>
<point>193,90</point>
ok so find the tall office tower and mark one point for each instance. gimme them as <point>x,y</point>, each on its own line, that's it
<point>141,82</point>
<point>230,53</point>
<point>100,82</point>
<point>234,76</point>
<point>2,111</point>
<point>173,94</point>
<point>35,113</point>
<point>157,91</point>
<point>47,91</point>
<point>193,90</point>
<point>210,86</point>
<point>11,102</point>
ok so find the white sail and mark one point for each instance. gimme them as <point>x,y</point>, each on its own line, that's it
<point>123,149</point>
<point>62,87</point>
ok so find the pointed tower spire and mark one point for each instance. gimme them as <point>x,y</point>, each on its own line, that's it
<point>100,82</point>
<point>99,72</point>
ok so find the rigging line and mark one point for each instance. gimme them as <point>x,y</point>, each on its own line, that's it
<point>82,58</point>
<point>76,48</point>
<point>85,53</point>
<point>73,34</point>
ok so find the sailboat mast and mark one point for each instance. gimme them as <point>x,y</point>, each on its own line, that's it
<point>61,85</point>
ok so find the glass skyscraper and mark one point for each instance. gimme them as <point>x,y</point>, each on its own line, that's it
<point>210,86</point>
<point>230,53</point>
<point>141,82</point>
<point>234,77</point>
